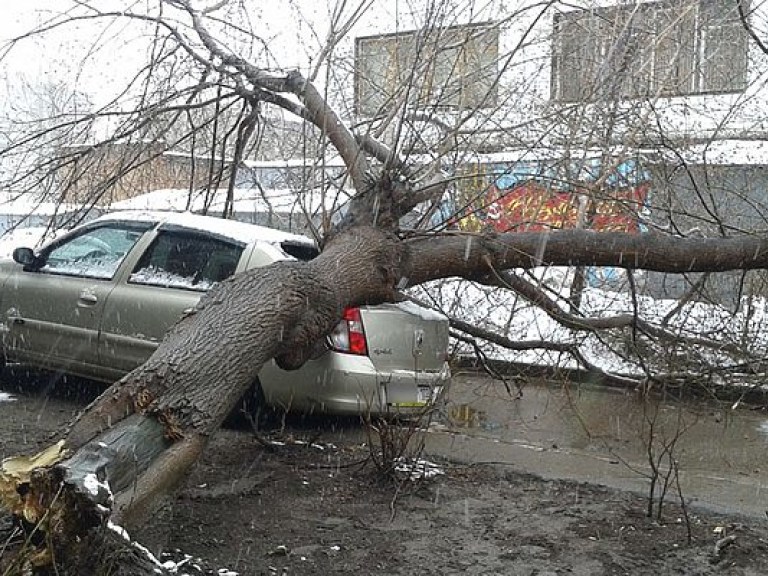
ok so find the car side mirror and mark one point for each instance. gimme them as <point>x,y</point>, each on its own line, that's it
<point>24,256</point>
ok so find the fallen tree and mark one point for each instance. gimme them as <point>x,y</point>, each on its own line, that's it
<point>135,443</point>
<point>133,446</point>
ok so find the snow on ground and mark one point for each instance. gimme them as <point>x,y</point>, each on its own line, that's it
<point>174,562</point>
<point>506,313</point>
<point>5,397</point>
<point>415,469</point>
<point>247,200</point>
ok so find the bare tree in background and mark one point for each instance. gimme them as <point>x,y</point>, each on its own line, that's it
<point>206,89</point>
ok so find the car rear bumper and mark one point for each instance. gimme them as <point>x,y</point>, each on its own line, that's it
<point>346,384</point>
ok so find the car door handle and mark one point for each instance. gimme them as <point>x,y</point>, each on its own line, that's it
<point>14,316</point>
<point>87,298</point>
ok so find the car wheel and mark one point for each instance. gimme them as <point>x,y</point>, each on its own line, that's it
<point>251,410</point>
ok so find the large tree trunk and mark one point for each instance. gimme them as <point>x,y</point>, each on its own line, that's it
<point>140,437</point>
<point>136,442</point>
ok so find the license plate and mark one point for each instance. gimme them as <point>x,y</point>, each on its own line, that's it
<point>425,395</point>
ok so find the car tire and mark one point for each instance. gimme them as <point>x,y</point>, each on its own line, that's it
<point>251,410</point>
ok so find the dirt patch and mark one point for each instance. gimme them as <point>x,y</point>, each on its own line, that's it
<point>315,505</point>
<point>303,510</point>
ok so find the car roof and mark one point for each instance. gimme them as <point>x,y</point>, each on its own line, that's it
<point>233,229</point>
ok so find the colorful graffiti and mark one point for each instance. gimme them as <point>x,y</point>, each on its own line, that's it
<point>527,197</point>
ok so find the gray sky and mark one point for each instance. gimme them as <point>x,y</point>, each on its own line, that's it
<point>114,51</point>
<point>96,57</point>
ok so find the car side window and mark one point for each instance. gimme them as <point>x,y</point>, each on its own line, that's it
<point>186,260</point>
<point>96,253</point>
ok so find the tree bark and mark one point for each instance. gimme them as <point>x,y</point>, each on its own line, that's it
<point>472,255</point>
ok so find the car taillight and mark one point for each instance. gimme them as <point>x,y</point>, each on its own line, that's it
<point>349,334</point>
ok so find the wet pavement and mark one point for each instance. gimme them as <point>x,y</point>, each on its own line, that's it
<point>557,430</point>
<point>601,435</point>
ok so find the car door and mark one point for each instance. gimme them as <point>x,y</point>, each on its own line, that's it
<point>53,307</point>
<point>176,269</point>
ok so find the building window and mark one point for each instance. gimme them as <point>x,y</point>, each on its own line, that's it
<point>668,48</point>
<point>452,67</point>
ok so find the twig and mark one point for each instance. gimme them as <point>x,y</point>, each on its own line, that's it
<point>721,545</point>
<point>490,370</point>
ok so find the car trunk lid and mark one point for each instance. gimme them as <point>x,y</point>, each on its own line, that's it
<point>405,336</point>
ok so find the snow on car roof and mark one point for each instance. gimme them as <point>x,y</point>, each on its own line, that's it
<point>240,231</point>
<point>247,199</point>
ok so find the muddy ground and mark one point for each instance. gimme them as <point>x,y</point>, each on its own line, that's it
<point>315,503</point>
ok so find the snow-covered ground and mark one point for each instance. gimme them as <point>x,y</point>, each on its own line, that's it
<point>712,332</point>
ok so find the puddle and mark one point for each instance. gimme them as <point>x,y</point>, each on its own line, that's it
<point>602,435</point>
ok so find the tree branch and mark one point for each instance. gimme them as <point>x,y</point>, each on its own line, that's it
<point>468,255</point>
<point>575,322</point>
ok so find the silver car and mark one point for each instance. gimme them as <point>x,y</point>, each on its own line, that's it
<point>97,301</point>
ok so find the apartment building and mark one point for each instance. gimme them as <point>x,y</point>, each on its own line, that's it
<point>613,116</point>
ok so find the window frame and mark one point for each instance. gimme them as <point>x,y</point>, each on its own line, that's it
<point>690,27</point>
<point>43,259</point>
<point>400,63</point>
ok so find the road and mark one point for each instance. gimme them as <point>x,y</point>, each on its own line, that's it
<point>601,435</point>
<point>554,430</point>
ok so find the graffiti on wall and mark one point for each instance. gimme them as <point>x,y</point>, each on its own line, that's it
<point>532,197</point>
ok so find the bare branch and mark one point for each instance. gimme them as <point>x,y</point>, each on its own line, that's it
<point>575,322</point>
<point>741,6</point>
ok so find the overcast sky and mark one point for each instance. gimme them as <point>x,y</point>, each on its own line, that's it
<point>118,49</point>
<point>293,30</point>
